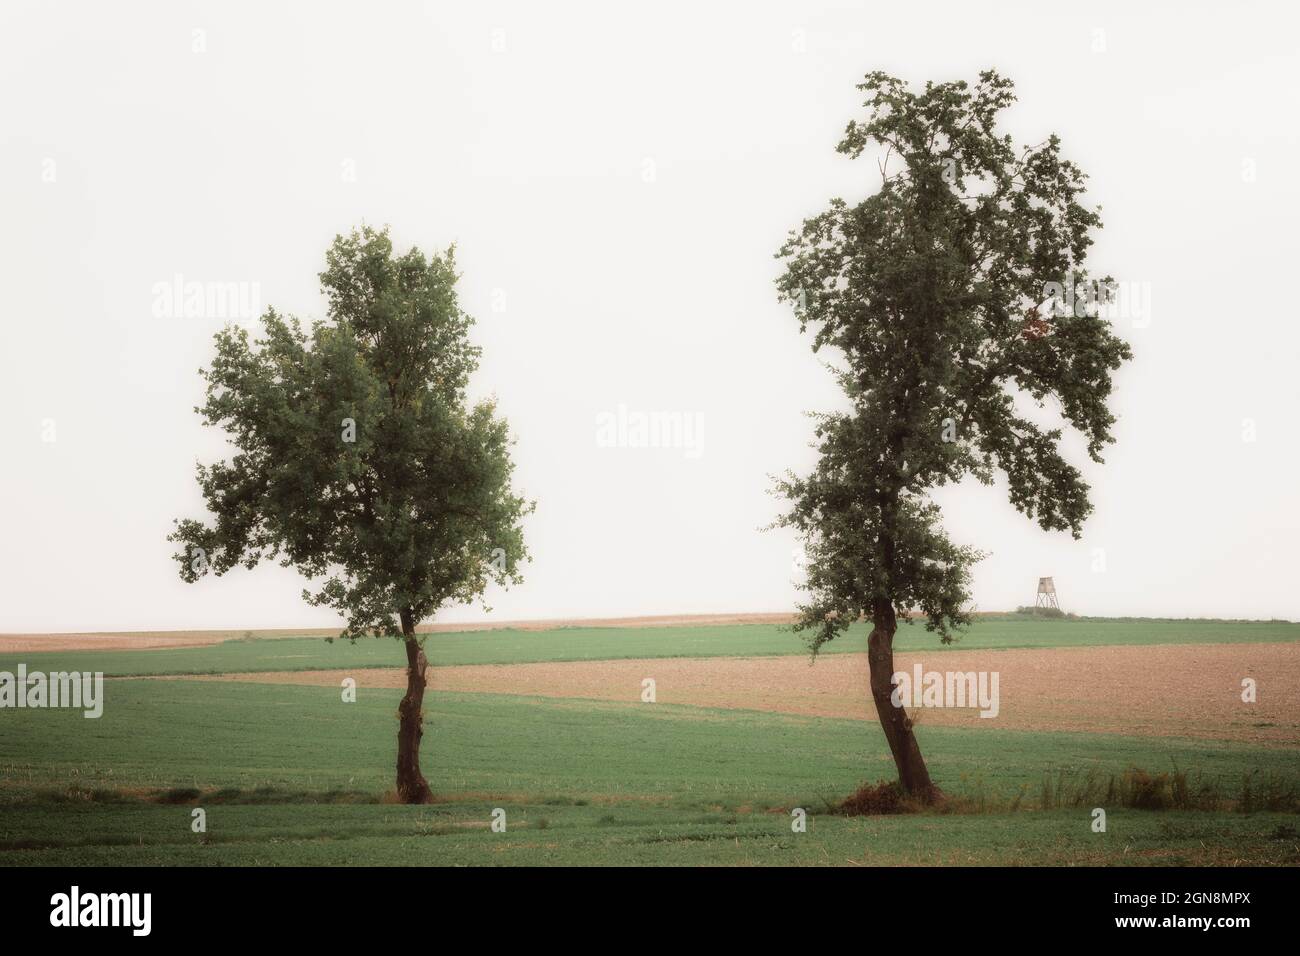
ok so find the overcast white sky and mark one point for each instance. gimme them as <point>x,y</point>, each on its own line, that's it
<point>617,181</point>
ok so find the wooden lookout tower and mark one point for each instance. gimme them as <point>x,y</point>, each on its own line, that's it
<point>1046,594</point>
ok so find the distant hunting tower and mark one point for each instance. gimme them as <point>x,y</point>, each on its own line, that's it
<point>1046,594</point>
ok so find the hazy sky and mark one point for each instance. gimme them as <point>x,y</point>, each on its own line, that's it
<point>616,182</point>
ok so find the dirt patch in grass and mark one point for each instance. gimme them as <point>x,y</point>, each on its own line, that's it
<point>1172,690</point>
<point>873,799</point>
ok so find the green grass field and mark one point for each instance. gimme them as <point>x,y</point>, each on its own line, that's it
<point>590,644</point>
<point>293,775</point>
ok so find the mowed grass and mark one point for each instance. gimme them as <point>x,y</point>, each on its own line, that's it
<point>291,774</point>
<point>549,835</point>
<point>584,644</point>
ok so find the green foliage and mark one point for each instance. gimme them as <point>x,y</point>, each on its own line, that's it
<point>359,459</point>
<point>1052,612</point>
<point>942,295</point>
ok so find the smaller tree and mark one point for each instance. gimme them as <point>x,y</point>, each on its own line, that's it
<point>360,462</point>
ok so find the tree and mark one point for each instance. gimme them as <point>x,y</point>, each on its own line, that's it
<point>360,462</point>
<point>951,294</point>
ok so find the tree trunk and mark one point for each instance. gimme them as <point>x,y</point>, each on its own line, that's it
<point>411,785</point>
<point>913,776</point>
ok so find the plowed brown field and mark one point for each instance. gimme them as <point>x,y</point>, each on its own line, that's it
<point>1168,690</point>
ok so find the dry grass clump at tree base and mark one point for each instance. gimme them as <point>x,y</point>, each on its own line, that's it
<point>1134,789</point>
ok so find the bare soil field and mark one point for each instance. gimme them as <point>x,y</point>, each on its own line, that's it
<point>1167,691</point>
<point>120,641</point>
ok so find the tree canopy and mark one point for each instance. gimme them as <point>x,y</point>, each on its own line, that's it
<point>956,287</point>
<point>359,459</point>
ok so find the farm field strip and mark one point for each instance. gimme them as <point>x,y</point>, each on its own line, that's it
<point>593,644</point>
<point>540,834</point>
<point>1172,690</point>
<point>305,739</point>
<point>289,773</point>
<point>140,640</point>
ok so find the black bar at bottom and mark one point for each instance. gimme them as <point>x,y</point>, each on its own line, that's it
<point>332,905</point>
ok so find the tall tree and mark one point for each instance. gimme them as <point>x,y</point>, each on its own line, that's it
<point>952,292</point>
<point>360,462</point>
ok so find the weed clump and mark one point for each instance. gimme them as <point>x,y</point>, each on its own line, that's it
<point>885,797</point>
